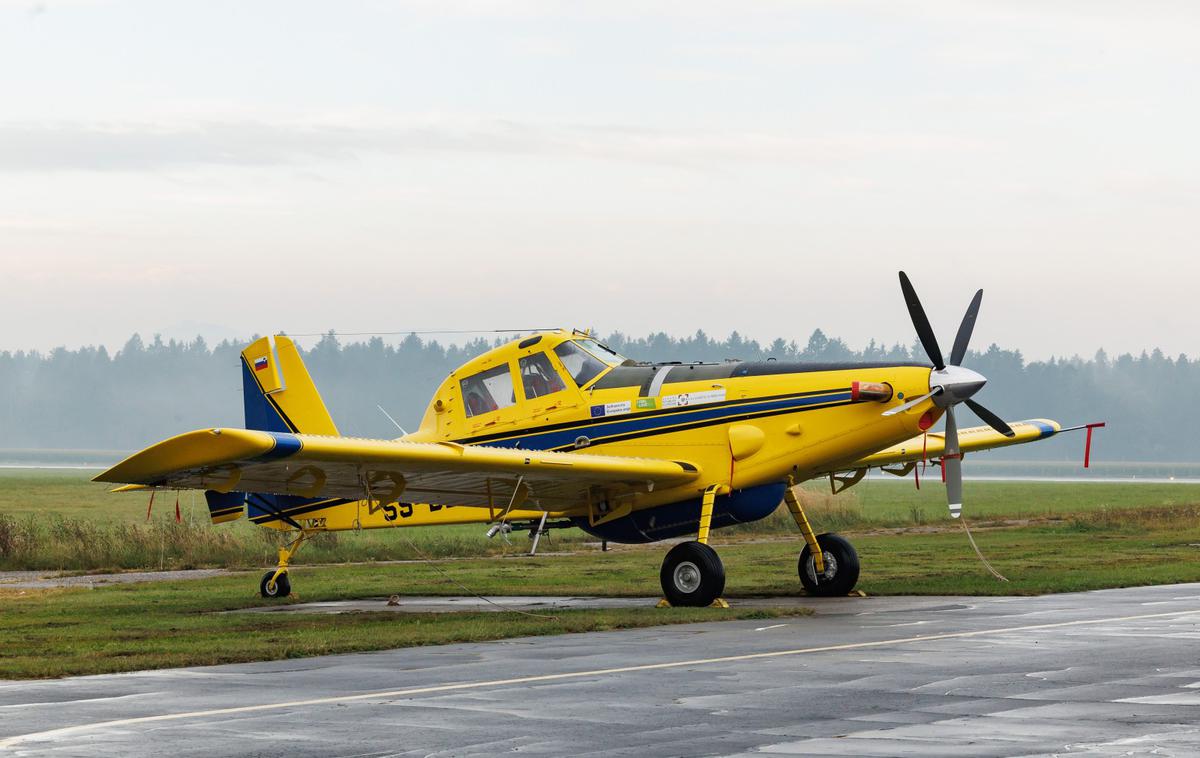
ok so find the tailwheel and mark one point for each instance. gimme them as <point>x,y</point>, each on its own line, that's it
<point>841,567</point>
<point>692,575</point>
<point>281,587</point>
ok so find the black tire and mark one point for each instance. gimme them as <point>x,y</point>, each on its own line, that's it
<point>692,575</point>
<point>841,567</point>
<point>281,588</point>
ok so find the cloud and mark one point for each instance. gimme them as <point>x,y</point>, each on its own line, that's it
<point>109,146</point>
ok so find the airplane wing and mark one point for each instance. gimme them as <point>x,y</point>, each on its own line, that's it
<point>973,439</point>
<point>443,473</point>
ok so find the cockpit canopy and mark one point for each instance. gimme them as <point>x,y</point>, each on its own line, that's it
<point>576,361</point>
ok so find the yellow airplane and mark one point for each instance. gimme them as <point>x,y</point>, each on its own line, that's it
<point>557,425</point>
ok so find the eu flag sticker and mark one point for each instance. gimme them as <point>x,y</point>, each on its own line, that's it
<point>597,411</point>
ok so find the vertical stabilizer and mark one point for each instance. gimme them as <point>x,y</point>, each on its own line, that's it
<point>278,392</point>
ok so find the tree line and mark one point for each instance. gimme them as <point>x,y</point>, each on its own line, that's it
<point>92,399</point>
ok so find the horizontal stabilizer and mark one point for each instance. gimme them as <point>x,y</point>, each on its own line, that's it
<point>225,506</point>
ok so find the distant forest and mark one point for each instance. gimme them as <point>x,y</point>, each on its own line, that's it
<point>146,391</point>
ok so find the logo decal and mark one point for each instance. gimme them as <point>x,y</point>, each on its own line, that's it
<point>611,409</point>
<point>693,398</point>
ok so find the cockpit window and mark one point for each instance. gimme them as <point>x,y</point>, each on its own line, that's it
<point>488,391</point>
<point>539,377</point>
<point>580,364</point>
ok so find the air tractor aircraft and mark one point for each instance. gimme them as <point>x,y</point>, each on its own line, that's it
<point>557,425</point>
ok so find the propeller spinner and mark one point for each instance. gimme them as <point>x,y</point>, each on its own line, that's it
<point>949,385</point>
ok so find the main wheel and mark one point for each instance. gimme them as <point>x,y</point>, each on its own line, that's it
<point>281,588</point>
<point>692,575</point>
<point>841,567</point>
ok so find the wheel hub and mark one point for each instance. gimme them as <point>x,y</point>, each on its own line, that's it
<point>830,568</point>
<point>687,577</point>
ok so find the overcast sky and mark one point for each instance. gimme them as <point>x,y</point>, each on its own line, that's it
<point>242,167</point>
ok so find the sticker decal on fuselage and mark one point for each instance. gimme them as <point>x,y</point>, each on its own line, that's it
<point>693,398</point>
<point>611,409</point>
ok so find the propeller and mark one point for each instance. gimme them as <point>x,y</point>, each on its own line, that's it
<point>949,385</point>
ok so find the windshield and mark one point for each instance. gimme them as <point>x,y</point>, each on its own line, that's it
<point>580,364</point>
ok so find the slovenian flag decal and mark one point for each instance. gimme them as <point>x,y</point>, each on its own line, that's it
<point>260,363</point>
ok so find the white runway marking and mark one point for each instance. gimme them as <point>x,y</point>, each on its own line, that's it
<point>336,699</point>
<point>772,626</point>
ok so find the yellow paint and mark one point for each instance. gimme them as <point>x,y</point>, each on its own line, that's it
<point>974,438</point>
<point>706,510</point>
<point>745,440</point>
<point>379,515</point>
<point>287,383</point>
<point>797,511</point>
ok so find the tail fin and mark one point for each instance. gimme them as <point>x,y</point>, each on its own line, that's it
<point>279,396</point>
<point>278,393</point>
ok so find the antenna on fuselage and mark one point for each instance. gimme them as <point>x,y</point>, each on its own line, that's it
<point>389,418</point>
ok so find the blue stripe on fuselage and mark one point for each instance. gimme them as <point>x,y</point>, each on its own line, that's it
<point>565,438</point>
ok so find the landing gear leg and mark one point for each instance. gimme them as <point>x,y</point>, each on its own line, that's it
<point>797,511</point>
<point>692,574</point>
<point>275,584</point>
<point>828,565</point>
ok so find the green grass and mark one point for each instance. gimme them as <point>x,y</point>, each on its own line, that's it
<point>58,520</point>
<point>1058,537</point>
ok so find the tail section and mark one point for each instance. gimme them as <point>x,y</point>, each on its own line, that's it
<point>278,393</point>
<point>225,506</point>
<point>279,396</point>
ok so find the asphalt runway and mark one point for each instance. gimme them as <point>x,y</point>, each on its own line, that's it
<point>1104,673</point>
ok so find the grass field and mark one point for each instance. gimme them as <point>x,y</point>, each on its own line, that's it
<point>1045,537</point>
<point>61,521</point>
<point>127,627</point>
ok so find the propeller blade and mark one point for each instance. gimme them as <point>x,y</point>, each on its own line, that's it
<point>952,466</point>
<point>911,403</point>
<point>992,419</point>
<point>921,323</point>
<point>964,330</point>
